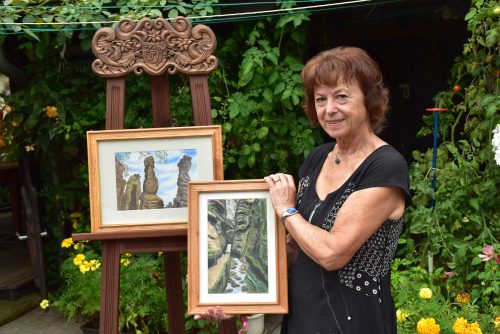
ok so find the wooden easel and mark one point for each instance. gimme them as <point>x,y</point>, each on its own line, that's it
<point>155,47</point>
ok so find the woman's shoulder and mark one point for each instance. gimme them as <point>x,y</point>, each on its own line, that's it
<point>387,155</point>
<point>384,167</point>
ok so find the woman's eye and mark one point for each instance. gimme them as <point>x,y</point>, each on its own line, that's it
<point>320,99</point>
<point>342,98</point>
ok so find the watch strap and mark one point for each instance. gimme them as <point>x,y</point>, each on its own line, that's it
<point>287,213</point>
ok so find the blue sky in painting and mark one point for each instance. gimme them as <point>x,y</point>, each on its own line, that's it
<point>166,171</point>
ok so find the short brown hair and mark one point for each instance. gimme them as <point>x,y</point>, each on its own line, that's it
<point>349,64</point>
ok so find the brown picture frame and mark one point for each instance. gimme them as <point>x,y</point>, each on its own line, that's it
<point>128,196</point>
<point>249,275</point>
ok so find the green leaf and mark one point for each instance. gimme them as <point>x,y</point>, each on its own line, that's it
<point>245,150</point>
<point>475,261</point>
<point>286,94</point>
<point>279,88</point>
<point>452,148</point>
<point>173,13</point>
<point>262,132</point>
<point>268,95</point>
<point>474,202</point>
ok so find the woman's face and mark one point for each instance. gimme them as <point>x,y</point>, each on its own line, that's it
<point>341,110</point>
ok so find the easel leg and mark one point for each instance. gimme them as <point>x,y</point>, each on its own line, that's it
<point>110,287</point>
<point>228,327</point>
<point>175,299</point>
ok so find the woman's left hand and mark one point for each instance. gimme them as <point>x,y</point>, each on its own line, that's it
<point>282,190</point>
<point>213,314</point>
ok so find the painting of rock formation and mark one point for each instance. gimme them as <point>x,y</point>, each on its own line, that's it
<point>237,246</point>
<point>154,179</point>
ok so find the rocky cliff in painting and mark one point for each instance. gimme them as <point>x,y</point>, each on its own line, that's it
<point>131,198</point>
<point>181,199</point>
<point>237,246</point>
<point>120,185</point>
<point>149,199</point>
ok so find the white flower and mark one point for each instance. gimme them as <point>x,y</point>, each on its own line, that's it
<point>495,142</point>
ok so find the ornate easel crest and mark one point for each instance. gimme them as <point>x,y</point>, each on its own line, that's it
<point>154,46</point>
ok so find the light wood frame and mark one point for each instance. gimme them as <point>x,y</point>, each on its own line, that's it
<point>201,195</point>
<point>201,144</point>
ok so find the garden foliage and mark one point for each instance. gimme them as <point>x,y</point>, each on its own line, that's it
<point>447,229</point>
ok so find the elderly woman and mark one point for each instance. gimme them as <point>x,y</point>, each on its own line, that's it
<point>345,219</point>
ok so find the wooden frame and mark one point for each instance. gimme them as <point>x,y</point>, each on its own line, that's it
<point>248,275</point>
<point>138,178</point>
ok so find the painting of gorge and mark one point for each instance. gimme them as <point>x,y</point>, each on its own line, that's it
<point>237,246</point>
<point>154,179</point>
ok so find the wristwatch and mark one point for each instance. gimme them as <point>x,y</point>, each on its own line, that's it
<point>287,213</point>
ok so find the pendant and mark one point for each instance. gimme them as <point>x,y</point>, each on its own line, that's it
<point>337,161</point>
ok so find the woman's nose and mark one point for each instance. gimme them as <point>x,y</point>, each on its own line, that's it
<point>331,106</point>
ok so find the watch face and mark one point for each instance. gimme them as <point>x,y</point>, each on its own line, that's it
<point>291,210</point>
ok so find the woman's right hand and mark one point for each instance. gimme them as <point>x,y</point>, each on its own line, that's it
<point>213,314</point>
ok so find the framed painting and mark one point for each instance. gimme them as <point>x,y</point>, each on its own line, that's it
<point>138,178</point>
<point>236,249</point>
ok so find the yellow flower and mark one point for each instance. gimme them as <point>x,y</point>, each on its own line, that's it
<point>496,321</point>
<point>84,267</point>
<point>78,259</point>
<point>44,304</point>
<point>463,298</point>
<point>127,254</point>
<point>425,293</point>
<point>94,265</point>
<point>51,111</point>
<point>401,315</point>
<point>460,325</point>
<point>474,328</point>
<point>125,262</point>
<point>66,243</point>
<point>428,326</point>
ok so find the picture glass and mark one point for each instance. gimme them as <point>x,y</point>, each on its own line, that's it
<point>245,247</point>
<point>150,174</point>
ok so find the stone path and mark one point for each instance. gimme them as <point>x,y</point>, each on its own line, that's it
<point>38,321</point>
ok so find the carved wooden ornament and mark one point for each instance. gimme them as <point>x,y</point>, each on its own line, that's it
<point>154,46</point>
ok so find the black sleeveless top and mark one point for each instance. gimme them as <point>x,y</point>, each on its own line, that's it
<point>355,299</point>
